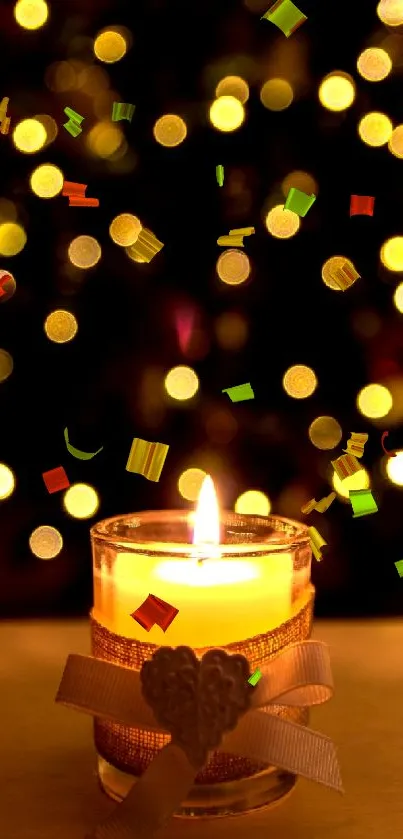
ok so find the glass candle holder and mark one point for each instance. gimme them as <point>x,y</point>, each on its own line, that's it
<point>252,596</point>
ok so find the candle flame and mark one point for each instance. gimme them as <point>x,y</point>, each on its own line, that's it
<point>207,516</point>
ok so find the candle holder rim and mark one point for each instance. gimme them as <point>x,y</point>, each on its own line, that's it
<point>293,534</point>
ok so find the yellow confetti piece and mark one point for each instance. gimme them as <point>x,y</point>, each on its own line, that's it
<point>5,125</point>
<point>232,241</point>
<point>308,507</point>
<point>320,506</point>
<point>356,443</point>
<point>146,246</point>
<point>242,231</point>
<point>346,465</point>
<point>317,543</point>
<point>147,459</point>
<point>345,276</point>
<point>3,107</point>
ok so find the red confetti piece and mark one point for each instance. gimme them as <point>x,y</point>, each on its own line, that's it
<point>362,205</point>
<point>155,611</point>
<point>56,479</point>
<point>70,188</point>
<point>78,201</point>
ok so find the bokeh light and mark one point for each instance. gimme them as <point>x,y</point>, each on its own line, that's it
<point>181,383</point>
<point>374,401</point>
<point>31,14</point>
<point>276,94</point>
<point>190,482</point>
<point>397,298</point>
<point>375,129</point>
<point>124,229</point>
<point>8,286</point>
<point>374,64</point>
<point>110,46</point>
<point>395,144</point>
<point>7,481</point>
<point>84,252</point>
<point>390,12</point>
<point>253,502</point>
<point>325,433</point>
<point>394,469</point>
<point>333,264</point>
<point>12,238</point>
<point>6,365</point>
<point>233,267</point>
<point>47,180</point>
<point>45,542</point>
<point>299,381</point>
<point>81,501</point>
<point>337,91</point>
<point>231,330</point>
<point>233,86</point>
<point>360,480</point>
<point>299,180</point>
<point>282,223</point>
<point>106,140</point>
<point>60,326</point>
<point>29,136</point>
<point>170,130</point>
<point>392,253</point>
<point>227,113</point>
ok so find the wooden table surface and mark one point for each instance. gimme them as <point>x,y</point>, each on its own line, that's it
<point>48,784</point>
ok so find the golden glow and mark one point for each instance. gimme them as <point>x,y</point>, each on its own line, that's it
<point>390,12</point>
<point>395,144</point>
<point>8,286</point>
<point>374,64</point>
<point>398,298</point>
<point>207,516</point>
<point>299,180</point>
<point>227,113</point>
<point>12,238</point>
<point>233,267</point>
<point>330,266</point>
<point>61,76</point>
<point>190,483</point>
<point>105,140</point>
<point>276,94</point>
<point>394,468</point>
<point>84,252</point>
<point>325,433</point>
<point>253,502</point>
<point>47,180</point>
<point>170,130</point>
<point>374,401</point>
<point>6,365</point>
<point>81,501</point>
<point>221,426</point>
<point>29,136</point>
<point>31,14</point>
<point>282,223</point>
<point>60,326</point>
<point>7,481</point>
<point>110,46</point>
<point>181,383</point>
<point>231,330</point>
<point>233,86</point>
<point>8,210</point>
<point>360,480</point>
<point>337,91</point>
<point>392,253</point>
<point>45,542</point>
<point>299,381</point>
<point>124,229</point>
<point>375,129</point>
<point>210,572</point>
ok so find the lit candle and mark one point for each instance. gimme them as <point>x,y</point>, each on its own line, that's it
<point>224,592</point>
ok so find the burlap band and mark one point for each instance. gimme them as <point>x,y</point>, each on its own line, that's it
<point>132,749</point>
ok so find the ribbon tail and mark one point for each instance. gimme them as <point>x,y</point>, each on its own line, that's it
<point>154,798</point>
<point>264,737</point>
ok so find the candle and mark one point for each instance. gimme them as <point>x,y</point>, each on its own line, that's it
<point>235,591</point>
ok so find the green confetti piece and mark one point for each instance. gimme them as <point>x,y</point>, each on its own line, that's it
<point>73,115</point>
<point>122,110</point>
<point>299,202</point>
<point>76,452</point>
<point>399,567</point>
<point>219,171</point>
<point>72,128</point>
<point>362,502</point>
<point>255,677</point>
<point>286,16</point>
<point>239,393</point>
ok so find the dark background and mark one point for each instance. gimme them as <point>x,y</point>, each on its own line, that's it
<point>96,385</point>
